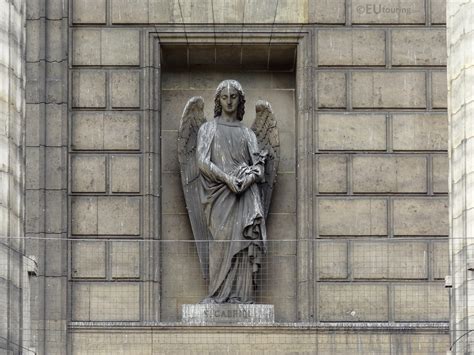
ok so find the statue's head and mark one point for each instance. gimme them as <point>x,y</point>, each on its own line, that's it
<point>228,89</point>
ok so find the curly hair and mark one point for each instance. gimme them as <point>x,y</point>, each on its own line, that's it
<point>241,105</point>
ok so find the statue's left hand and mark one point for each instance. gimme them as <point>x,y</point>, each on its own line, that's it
<point>248,180</point>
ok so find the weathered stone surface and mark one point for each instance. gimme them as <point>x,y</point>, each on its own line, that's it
<point>120,47</point>
<point>122,131</point>
<point>331,90</point>
<point>119,215</point>
<point>351,47</point>
<point>353,302</point>
<point>88,89</point>
<point>388,89</point>
<point>415,302</point>
<point>89,11</point>
<point>125,259</point>
<point>420,131</point>
<point>88,259</point>
<point>129,11</point>
<point>84,215</point>
<point>440,173</point>
<point>419,47</point>
<point>125,173</point>
<point>439,89</point>
<point>438,12</point>
<point>420,216</point>
<point>361,216</point>
<point>388,11</point>
<point>390,260</point>
<point>88,173</point>
<point>100,301</point>
<point>208,314</point>
<point>332,173</point>
<point>87,131</point>
<point>440,259</point>
<point>125,89</point>
<point>396,173</point>
<point>352,132</point>
<point>327,11</point>
<point>331,260</point>
<point>86,46</point>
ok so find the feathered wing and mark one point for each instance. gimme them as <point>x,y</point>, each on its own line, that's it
<point>192,119</point>
<point>266,130</point>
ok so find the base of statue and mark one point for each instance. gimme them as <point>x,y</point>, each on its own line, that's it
<point>227,313</point>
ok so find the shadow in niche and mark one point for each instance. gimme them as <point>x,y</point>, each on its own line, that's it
<point>265,72</point>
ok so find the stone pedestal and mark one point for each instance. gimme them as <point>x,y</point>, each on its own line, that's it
<point>242,314</point>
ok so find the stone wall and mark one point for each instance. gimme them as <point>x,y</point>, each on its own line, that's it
<point>359,221</point>
<point>13,280</point>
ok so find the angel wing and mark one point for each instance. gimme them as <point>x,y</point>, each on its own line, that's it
<point>192,119</point>
<point>266,130</point>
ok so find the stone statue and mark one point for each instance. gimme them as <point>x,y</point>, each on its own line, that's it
<point>227,173</point>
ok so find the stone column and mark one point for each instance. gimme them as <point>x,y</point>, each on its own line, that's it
<point>12,103</point>
<point>460,31</point>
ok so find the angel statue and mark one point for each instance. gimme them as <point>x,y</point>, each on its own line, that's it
<point>227,173</point>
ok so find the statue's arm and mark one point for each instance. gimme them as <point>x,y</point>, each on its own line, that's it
<point>258,163</point>
<point>203,156</point>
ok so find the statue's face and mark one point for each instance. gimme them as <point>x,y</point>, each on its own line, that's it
<point>229,99</point>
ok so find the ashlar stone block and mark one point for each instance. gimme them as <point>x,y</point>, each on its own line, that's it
<point>86,44</point>
<point>420,131</point>
<point>118,215</point>
<point>351,47</point>
<point>421,302</point>
<point>440,260</point>
<point>352,132</point>
<point>125,173</point>
<point>101,301</point>
<point>88,259</point>
<point>88,173</point>
<point>353,302</point>
<point>125,260</point>
<point>129,11</point>
<point>88,11</point>
<point>88,89</point>
<point>388,12</point>
<point>327,11</point>
<point>331,262</point>
<point>438,12</point>
<point>352,217</point>
<point>120,47</point>
<point>332,173</point>
<point>419,47</point>
<point>84,215</point>
<point>390,260</point>
<point>439,89</point>
<point>376,173</point>
<point>388,89</point>
<point>125,90</point>
<point>440,173</point>
<point>420,216</point>
<point>122,131</point>
<point>87,131</point>
<point>331,90</point>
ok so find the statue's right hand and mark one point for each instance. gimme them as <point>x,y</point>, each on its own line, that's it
<point>234,184</point>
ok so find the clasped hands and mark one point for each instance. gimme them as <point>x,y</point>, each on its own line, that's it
<point>239,184</point>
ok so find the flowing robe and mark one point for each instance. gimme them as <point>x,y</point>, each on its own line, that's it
<point>236,221</point>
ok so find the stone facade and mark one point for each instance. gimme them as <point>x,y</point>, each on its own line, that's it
<point>359,223</point>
